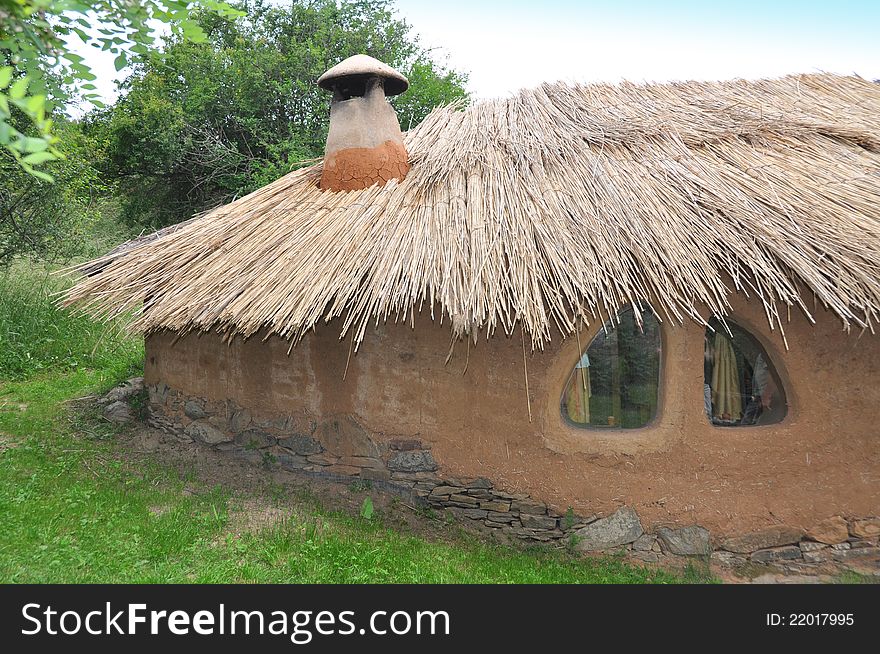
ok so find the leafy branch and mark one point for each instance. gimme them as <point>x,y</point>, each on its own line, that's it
<point>40,70</point>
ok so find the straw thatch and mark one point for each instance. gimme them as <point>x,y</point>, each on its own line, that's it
<point>557,205</point>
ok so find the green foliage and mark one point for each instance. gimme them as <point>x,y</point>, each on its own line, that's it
<point>38,68</point>
<point>569,519</point>
<point>36,336</point>
<point>367,508</point>
<point>214,120</point>
<point>54,221</point>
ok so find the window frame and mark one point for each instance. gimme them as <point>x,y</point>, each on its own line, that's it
<point>661,395</point>
<point>772,358</point>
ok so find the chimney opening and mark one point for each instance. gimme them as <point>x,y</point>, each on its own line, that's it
<point>346,88</point>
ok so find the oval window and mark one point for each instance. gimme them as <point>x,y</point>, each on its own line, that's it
<point>615,382</point>
<point>741,386</point>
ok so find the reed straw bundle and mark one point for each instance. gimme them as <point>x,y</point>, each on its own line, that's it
<point>552,207</point>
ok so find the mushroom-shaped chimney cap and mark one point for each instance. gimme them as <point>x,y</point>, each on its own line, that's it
<point>361,64</point>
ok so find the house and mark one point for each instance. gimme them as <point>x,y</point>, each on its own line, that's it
<point>576,299</point>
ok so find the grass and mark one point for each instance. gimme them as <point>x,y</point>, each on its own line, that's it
<point>36,335</point>
<point>75,511</point>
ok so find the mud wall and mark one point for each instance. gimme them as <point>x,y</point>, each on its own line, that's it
<point>472,414</point>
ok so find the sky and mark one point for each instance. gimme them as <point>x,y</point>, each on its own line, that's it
<point>508,45</point>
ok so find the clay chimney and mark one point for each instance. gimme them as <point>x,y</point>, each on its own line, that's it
<point>364,145</point>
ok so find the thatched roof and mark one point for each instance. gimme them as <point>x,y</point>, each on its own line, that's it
<point>559,204</point>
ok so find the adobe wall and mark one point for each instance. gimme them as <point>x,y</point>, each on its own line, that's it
<point>472,417</point>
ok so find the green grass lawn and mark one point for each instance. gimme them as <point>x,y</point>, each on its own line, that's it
<point>74,510</point>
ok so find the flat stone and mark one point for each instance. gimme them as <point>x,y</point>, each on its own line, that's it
<point>218,422</point>
<point>727,559</point>
<point>281,424</point>
<point>540,536</point>
<point>510,496</point>
<point>495,505</point>
<point>472,514</point>
<point>811,546</point>
<point>254,439</point>
<point>204,432</point>
<point>621,527</point>
<point>375,475</point>
<point>240,420</point>
<point>479,482</point>
<point>494,525</point>
<point>581,522</point>
<point>644,543</point>
<point>530,521</point>
<point>412,461</point>
<point>481,494</point>
<point>829,531</point>
<point>444,490</point>
<point>361,462</point>
<point>119,412</point>
<point>405,444</point>
<point>865,528</point>
<point>501,517</point>
<point>537,536</point>
<point>348,471</point>
<point>158,393</point>
<point>301,444</point>
<point>124,391</point>
<point>322,459</point>
<point>528,506</point>
<point>858,553</point>
<point>785,553</point>
<point>840,546</point>
<point>418,476</point>
<point>818,556</point>
<point>194,410</point>
<point>463,499</point>
<point>687,541</point>
<point>766,538</point>
<point>866,542</point>
<point>344,436</point>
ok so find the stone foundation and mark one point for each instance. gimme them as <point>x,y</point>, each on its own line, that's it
<point>339,448</point>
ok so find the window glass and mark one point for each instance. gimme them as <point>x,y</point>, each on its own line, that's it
<point>615,382</point>
<point>741,386</point>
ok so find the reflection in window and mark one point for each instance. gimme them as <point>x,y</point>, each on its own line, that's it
<point>741,387</point>
<point>615,382</point>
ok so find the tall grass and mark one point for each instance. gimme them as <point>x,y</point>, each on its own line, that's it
<point>38,336</point>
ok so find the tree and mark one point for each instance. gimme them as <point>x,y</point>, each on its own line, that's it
<point>39,70</point>
<point>48,220</point>
<point>211,121</point>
